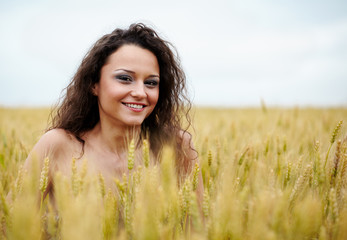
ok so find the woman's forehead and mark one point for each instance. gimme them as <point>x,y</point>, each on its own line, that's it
<point>133,58</point>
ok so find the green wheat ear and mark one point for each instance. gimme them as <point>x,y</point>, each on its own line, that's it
<point>83,174</point>
<point>185,200</point>
<point>288,173</point>
<point>332,139</point>
<point>211,186</point>
<point>102,185</point>
<point>209,158</point>
<point>44,179</point>
<point>333,207</point>
<point>299,185</point>
<point>317,166</point>
<point>3,204</point>
<point>145,152</point>
<point>51,221</point>
<point>336,132</point>
<point>206,203</point>
<point>341,183</point>
<point>196,176</point>
<point>131,155</point>
<point>44,176</point>
<point>128,217</point>
<point>19,182</point>
<point>336,163</point>
<point>75,180</point>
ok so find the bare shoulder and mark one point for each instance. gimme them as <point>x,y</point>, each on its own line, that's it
<point>57,136</point>
<point>185,139</point>
<point>184,136</point>
<point>52,144</point>
<point>56,139</point>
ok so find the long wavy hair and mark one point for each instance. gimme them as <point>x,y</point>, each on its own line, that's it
<point>79,112</point>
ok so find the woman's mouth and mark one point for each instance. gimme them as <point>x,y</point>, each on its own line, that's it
<point>135,106</point>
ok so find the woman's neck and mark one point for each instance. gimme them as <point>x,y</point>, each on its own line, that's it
<point>114,139</point>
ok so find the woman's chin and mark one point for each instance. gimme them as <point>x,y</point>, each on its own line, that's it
<point>134,123</point>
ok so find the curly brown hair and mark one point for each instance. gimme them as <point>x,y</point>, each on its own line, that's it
<point>78,112</point>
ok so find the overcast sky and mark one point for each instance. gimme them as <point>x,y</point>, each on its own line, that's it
<point>234,53</point>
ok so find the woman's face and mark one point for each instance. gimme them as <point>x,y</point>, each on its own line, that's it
<point>128,89</point>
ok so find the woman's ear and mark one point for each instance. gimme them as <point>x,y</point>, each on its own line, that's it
<point>94,89</point>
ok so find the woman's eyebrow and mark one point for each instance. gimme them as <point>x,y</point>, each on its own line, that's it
<point>129,71</point>
<point>154,75</point>
<point>126,70</point>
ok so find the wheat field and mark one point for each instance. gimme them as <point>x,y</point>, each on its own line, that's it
<point>268,173</point>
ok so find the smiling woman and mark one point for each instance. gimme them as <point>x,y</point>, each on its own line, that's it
<point>129,86</point>
<point>128,89</point>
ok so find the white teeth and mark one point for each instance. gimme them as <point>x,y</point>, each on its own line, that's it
<point>134,105</point>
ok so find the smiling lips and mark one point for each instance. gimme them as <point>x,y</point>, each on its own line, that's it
<point>136,107</point>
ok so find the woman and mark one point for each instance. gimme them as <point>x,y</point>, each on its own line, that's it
<point>129,85</point>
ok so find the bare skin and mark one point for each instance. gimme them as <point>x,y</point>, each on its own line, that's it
<point>61,147</point>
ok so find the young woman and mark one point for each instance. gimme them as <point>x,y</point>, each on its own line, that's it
<point>129,85</point>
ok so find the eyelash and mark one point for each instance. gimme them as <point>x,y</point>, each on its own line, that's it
<point>128,79</point>
<point>124,78</point>
<point>152,83</point>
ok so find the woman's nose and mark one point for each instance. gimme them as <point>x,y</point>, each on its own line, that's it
<point>138,90</point>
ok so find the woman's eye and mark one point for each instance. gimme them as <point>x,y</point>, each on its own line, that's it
<point>124,78</point>
<point>152,83</point>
